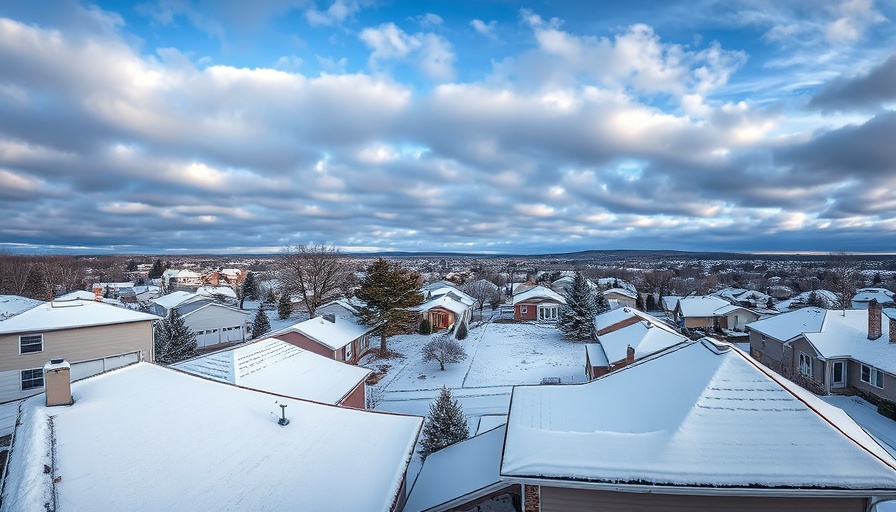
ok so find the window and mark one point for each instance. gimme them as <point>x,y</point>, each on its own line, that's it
<point>547,313</point>
<point>524,310</point>
<point>348,352</point>
<point>805,364</point>
<point>31,343</point>
<point>873,376</point>
<point>32,379</point>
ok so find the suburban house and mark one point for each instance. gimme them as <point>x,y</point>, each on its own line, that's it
<point>212,322</point>
<point>657,443</point>
<point>824,298</point>
<point>744,297</point>
<point>174,278</point>
<point>94,337</point>
<point>231,277</point>
<point>222,294</point>
<point>709,312</point>
<point>537,303</point>
<point>341,308</point>
<point>620,298</point>
<point>444,312</point>
<point>883,297</point>
<point>624,336</point>
<point>341,339</point>
<point>829,350</point>
<point>668,303</point>
<point>201,445</point>
<point>275,366</point>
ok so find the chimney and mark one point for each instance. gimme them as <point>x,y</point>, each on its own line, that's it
<point>891,314</point>
<point>629,355</point>
<point>98,293</point>
<point>57,382</point>
<point>874,314</point>
<point>330,317</point>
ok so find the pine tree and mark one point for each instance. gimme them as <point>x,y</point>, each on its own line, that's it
<point>445,425</point>
<point>639,303</point>
<point>250,287</point>
<point>576,319</point>
<point>651,303</point>
<point>388,291</point>
<point>601,304</point>
<point>770,304</point>
<point>814,300</point>
<point>261,324</point>
<point>174,341</point>
<point>156,271</point>
<point>284,306</point>
<point>425,326</point>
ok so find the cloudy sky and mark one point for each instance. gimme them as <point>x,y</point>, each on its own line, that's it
<point>491,126</point>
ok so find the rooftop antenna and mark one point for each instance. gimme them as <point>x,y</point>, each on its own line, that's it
<point>283,421</point>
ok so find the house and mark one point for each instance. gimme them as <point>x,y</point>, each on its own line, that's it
<point>174,278</point>
<point>699,427</point>
<point>668,303</point>
<point>863,296</point>
<point>620,298</point>
<point>709,312</point>
<point>337,338</point>
<point>444,312</point>
<point>275,366</point>
<point>147,437</point>
<point>829,350</point>
<point>212,322</point>
<point>441,288</point>
<point>537,303</point>
<point>222,294</point>
<point>822,298</point>
<point>744,297</point>
<point>92,336</point>
<point>341,308</point>
<point>12,305</point>
<point>622,340</point>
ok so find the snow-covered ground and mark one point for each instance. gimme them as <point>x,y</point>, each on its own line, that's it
<point>8,413</point>
<point>866,415</point>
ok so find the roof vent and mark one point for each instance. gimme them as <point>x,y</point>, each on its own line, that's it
<point>283,421</point>
<point>330,317</point>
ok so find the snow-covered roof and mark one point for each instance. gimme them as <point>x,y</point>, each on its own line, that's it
<point>828,300</point>
<point>613,317</point>
<point>844,334</point>
<point>731,308</point>
<point>612,282</point>
<point>787,326</point>
<point>621,291</point>
<point>146,437</point>
<point>538,292</point>
<point>700,306</point>
<point>77,294</point>
<point>51,316</point>
<point>174,299</point>
<point>334,335</point>
<point>437,291</point>
<point>723,421</point>
<point>596,355</point>
<point>646,337</point>
<point>192,307</point>
<point>459,473</point>
<point>275,366</point>
<point>881,295</point>
<point>669,302</point>
<point>348,309</point>
<point>445,301</point>
<point>12,305</point>
<point>215,291</point>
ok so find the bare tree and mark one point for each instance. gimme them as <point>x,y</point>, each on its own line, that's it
<point>843,277</point>
<point>483,291</point>
<point>443,349</point>
<point>318,273</point>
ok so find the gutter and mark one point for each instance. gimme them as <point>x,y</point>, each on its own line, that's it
<point>701,491</point>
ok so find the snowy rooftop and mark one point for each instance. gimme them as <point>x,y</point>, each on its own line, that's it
<point>596,355</point>
<point>700,306</point>
<point>434,290</point>
<point>56,315</point>
<point>11,305</point>
<point>215,291</point>
<point>617,315</point>
<point>845,334</point>
<point>276,366</point>
<point>148,438</point>
<point>173,299</point>
<point>445,301</point>
<point>646,337</point>
<point>790,325</point>
<point>459,473</point>
<point>538,292</point>
<point>622,291</point>
<point>724,422</point>
<point>881,295</point>
<point>827,298</point>
<point>669,302</point>
<point>334,335</point>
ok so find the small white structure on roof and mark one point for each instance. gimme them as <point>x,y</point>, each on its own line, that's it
<point>152,438</point>
<point>275,366</point>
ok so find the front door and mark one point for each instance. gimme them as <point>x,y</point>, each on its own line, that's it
<point>838,379</point>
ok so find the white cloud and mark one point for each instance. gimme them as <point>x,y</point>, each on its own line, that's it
<point>433,53</point>
<point>337,13</point>
<point>486,29</point>
<point>855,17</point>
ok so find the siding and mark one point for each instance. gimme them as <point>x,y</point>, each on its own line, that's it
<point>357,398</point>
<point>302,341</point>
<point>772,355</point>
<point>215,317</point>
<point>854,379</point>
<point>573,500</point>
<point>801,345</point>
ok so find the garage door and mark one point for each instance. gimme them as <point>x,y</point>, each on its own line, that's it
<point>84,369</point>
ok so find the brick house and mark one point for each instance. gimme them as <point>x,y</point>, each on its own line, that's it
<point>537,304</point>
<point>342,339</point>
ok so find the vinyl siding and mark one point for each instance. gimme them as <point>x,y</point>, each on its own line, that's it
<point>854,379</point>
<point>575,500</point>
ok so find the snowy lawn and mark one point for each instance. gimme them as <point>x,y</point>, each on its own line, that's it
<point>866,415</point>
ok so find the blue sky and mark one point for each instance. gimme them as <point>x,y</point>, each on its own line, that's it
<point>501,127</point>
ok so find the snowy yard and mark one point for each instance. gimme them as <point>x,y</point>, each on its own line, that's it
<point>499,356</point>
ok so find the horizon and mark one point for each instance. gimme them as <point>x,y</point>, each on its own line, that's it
<point>496,129</point>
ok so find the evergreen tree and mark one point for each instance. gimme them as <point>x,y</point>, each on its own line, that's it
<point>388,291</point>
<point>576,319</point>
<point>877,279</point>
<point>261,324</point>
<point>425,326</point>
<point>770,304</point>
<point>639,303</point>
<point>174,341</point>
<point>462,331</point>
<point>601,304</point>
<point>445,425</point>
<point>284,306</point>
<point>651,303</point>
<point>156,271</point>
<point>250,287</point>
<point>814,300</point>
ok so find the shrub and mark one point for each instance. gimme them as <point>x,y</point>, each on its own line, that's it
<point>425,327</point>
<point>887,408</point>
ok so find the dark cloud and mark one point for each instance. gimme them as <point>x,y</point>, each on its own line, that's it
<point>867,91</point>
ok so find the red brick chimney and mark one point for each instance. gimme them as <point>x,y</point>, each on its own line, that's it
<point>98,293</point>
<point>891,314</point>
<point>629,355</point>
<point>874,320</point>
